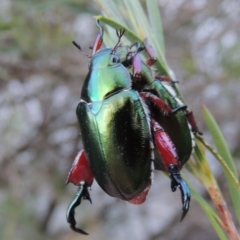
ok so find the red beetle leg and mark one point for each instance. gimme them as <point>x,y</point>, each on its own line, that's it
<point>80,170</point>
<point>147,96</point>
<point>99,39</point>
<point>151,53</point>
<point>137,66</point>
<point>164,107</point>
<point>165,146</point>
<point>192,121</point>
<point>188,113</point>
<point>150,62</point>
<point>165,79</point>
<point>82,176</point>
<point>98,43</point>
<point>82,193</point>
<point>169,156</point>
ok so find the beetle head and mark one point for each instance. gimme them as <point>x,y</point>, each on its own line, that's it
<point>104,58</point>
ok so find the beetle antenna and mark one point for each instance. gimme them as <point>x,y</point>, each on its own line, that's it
<point>120,33</point>
<point>79,47</point>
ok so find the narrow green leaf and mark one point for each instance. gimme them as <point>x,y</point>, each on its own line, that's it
<point>224,152</point>
<point>136,9</point>
<point>133,22</point>
<point>218,139</point>
<point>147,32</point>
<point>221,161</point>
<point>156,23</point>
<point>110,9</point>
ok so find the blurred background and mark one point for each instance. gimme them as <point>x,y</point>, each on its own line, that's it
<point>41,74</point>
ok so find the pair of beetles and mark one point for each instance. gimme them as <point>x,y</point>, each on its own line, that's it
<point>131,123</point>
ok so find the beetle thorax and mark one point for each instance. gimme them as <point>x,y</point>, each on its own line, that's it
<point>104,79</point>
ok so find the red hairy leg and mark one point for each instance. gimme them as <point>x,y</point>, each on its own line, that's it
<point>164,145</point>
<point>80,170</point>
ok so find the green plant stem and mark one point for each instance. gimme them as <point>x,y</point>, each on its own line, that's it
<point>221,206</point>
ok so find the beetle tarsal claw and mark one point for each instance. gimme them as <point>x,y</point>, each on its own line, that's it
<point>177,181</point>
<point>82,193</point>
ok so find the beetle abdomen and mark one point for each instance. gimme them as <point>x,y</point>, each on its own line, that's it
<point>117,143</point>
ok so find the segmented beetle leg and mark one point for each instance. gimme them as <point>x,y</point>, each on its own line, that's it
<point>138,48</point>
<point>166,79</point>
<point>183,107</point>
<point>151,53</point>
<point>192,121</point>
<point>81,193</point>
<point>99,39</point>
<point>137,66</point>
<point>136,60</point>
<point>100,27</point>
<point>177,181</point>
<point>158,102</point>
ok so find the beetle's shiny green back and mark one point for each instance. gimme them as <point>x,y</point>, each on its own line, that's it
<point>117,143</point>
<point>114,128</point>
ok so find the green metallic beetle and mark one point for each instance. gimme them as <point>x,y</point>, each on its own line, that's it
<point>120,129</point>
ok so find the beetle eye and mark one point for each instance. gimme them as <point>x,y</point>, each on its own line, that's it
<point>115,59</point>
